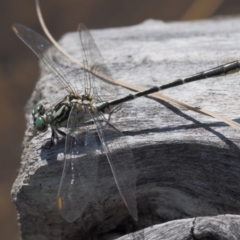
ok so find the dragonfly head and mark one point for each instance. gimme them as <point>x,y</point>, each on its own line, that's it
<point>39,118</point>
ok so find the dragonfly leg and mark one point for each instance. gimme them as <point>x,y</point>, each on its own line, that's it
<point>109,123</point>
<point>51,140</point>
<point>113,111</point>
<point>54,135</point>
<point>61,132</point>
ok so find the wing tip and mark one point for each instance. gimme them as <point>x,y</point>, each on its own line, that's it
<point>79,27</point>
<point>15,30</point>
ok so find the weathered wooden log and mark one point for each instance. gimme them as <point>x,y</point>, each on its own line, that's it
<point>188,164</point>
<point>217,227</point>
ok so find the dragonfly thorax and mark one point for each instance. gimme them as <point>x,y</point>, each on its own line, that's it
<point>58,115</point>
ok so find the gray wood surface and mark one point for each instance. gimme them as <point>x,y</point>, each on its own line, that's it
<point>188,164</point>
<point>223,227</point>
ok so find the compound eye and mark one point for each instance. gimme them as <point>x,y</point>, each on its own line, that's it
<point>39,108</point>
<point>40,124</point>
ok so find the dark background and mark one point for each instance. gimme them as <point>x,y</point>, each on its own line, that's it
<point>19,66</point>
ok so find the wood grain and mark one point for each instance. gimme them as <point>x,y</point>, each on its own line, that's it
<point>188,164</point>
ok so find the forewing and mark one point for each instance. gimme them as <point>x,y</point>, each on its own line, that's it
<point>82,149</point>
<point>58,64</point>
<point>121,161</point>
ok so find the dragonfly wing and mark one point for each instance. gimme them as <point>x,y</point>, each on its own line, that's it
<point>58,64</point>
<point>121,161</point>
<point>78,179</point>
<point>99,88</point>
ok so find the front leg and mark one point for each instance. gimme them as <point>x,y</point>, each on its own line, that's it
<point>53,136</point>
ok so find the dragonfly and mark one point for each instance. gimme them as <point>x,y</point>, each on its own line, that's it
<point>83,112</point>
